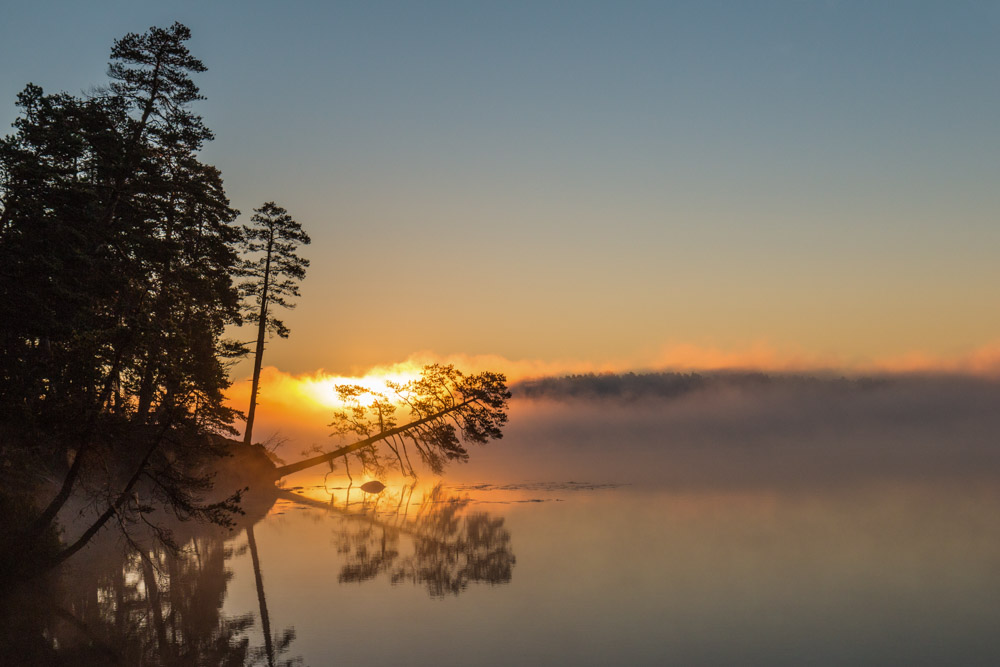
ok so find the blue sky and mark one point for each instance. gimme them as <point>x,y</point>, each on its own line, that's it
<point>595,181</point>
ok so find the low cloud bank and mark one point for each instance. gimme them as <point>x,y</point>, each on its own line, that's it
<point>638,386</point>
<point>729,430</point>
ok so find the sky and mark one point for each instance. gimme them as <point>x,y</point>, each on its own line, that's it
<point>565,186</point>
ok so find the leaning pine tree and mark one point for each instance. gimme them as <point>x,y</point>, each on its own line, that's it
<point>272,274</point>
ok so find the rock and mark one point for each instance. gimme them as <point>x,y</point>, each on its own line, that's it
<point>373,486</point>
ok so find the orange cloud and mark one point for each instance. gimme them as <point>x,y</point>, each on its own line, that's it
<point>280,392</point>
<point>515,370</point>
<point>757,356</point>
<point>984,361</point>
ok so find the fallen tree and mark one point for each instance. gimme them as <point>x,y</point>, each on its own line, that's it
<point>446,410</point>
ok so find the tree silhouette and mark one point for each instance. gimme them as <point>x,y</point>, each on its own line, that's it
<point>117,250</point>
<point>273,272</point>
<point>446,409</point>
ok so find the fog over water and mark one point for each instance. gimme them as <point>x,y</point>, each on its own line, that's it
<point>643,520</point>
<point>724,519</point>
<point>736,430</point>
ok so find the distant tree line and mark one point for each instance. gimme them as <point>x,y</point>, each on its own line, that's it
<point>635,386</point>
<point>608,385</point>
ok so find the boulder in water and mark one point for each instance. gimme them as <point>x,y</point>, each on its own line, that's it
<point>373,486</point>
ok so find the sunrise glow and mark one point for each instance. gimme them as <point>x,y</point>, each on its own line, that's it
<point>322,389</point>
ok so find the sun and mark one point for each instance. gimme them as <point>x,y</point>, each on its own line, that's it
<point>307,396</point>
<point>322,389</point>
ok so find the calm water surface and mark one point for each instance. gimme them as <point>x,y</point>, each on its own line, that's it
<point>904,574</point>
<point>598,535</point>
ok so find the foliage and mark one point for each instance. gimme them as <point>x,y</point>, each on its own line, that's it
<point>117,247</point>
<point>444,409</point>
<point>118,251</point>
<point>272,268</point>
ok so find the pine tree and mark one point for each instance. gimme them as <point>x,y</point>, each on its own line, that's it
<point>273,273</point>
<point>117,255</point>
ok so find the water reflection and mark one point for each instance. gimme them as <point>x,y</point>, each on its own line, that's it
<point>134,601</point>
<point>451,547</point>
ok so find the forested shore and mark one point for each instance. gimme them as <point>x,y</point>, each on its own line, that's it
<point>120,258</point>
<point>123,273</point>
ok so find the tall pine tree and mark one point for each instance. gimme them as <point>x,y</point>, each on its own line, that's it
<point>117,251</point>
<point>273,271</point>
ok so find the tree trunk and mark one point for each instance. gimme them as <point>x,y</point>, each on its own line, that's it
<point>154,602</point>
<point>337,453</point>
<point>265,619</point>
<point>259,353</point>
<point>145,392</point>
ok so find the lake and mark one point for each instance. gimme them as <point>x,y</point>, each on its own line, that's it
<point>785,526</point>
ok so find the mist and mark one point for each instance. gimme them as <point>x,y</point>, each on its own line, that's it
<point>738,430</point>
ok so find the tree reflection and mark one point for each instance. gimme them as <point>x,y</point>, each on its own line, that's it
<point>141,602</point>
<point>451,547</point>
